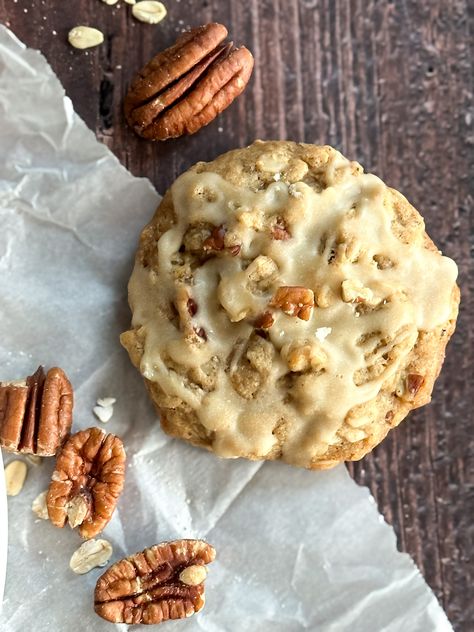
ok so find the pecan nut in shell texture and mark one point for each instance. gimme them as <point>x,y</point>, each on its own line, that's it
<point>87,481</point>
<point>36,412</point>
<point>186,86</point>
<point>162,582</point>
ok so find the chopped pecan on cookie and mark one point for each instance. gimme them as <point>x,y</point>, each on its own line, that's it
<point>410,386</point>
<point>264,321</point>
<point>353,291</point>
<point>36,412</point>
<point>186,86</point>
<point>294,301</point>
<point>280,230</point>
<point>414,383</point>
<point>216,242</point>
<point>163,582</point>
<point>87,481</point>
<point>89,555</point>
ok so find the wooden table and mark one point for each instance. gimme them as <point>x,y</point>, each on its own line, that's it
<point>389,83</point>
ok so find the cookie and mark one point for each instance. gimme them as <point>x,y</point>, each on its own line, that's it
<point>286,305</point>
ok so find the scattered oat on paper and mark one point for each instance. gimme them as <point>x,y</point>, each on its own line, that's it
<point>15,475</point>
<point>85,37</point>
<point>104,409</point>
<point>149,11</point>
<point>89,555</point>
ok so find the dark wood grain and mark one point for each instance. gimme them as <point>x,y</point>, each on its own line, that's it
<point>390,83</point>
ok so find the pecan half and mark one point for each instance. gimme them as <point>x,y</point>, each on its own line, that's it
<point>155,585</point>
<point>186,86</point>
<point>87,481</point>
<point>36,413</point>
<point>294,301</point>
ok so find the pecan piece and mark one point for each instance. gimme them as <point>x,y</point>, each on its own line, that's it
<point>36,413</point>
<point>187,308</point>
<point>158,584</point>
<point>280,230</point>
<point>413,383</point>
<point>294,301</point>
<point>216,243</point>
<point>192,307</point>
<point>264,321</point>
<point>201,332</point>
<point>185,87</point>
<point>87,481</point>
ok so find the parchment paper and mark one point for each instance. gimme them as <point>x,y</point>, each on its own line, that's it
<point>297,550</point>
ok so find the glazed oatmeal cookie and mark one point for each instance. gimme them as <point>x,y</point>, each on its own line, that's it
<point>286,305</point>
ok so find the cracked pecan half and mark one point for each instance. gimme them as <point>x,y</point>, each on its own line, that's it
<point>163,582</point>
<point>36,413</point>
<point>87,481</point>
<point>185,87</point>
<point>294,301</point>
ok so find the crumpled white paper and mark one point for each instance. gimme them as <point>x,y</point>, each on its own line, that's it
<point>297,550</point>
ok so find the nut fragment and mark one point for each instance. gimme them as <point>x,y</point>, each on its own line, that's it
<point>414,382</point>
<point>215,242</point>
<point>39,506</point>
<point>36,413</point>
<point>147,587</point>
<point>103,413</point>
<point>186,86</point>
<point>264,321</point>
<point>280,230</point>
<point>85,37</point>
<point>294,301</point>
<point>354,292</point>
<point>89,478</point>
<point>149,11</point>
<point>15,475</point>
<point>304,355</point>
<point>89,555</point>
<point>104,409</point>
<point>192,307</point>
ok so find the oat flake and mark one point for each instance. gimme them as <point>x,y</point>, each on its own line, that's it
<point>149,11</point>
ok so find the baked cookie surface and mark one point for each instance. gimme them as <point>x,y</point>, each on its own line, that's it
<point>288,306</point>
